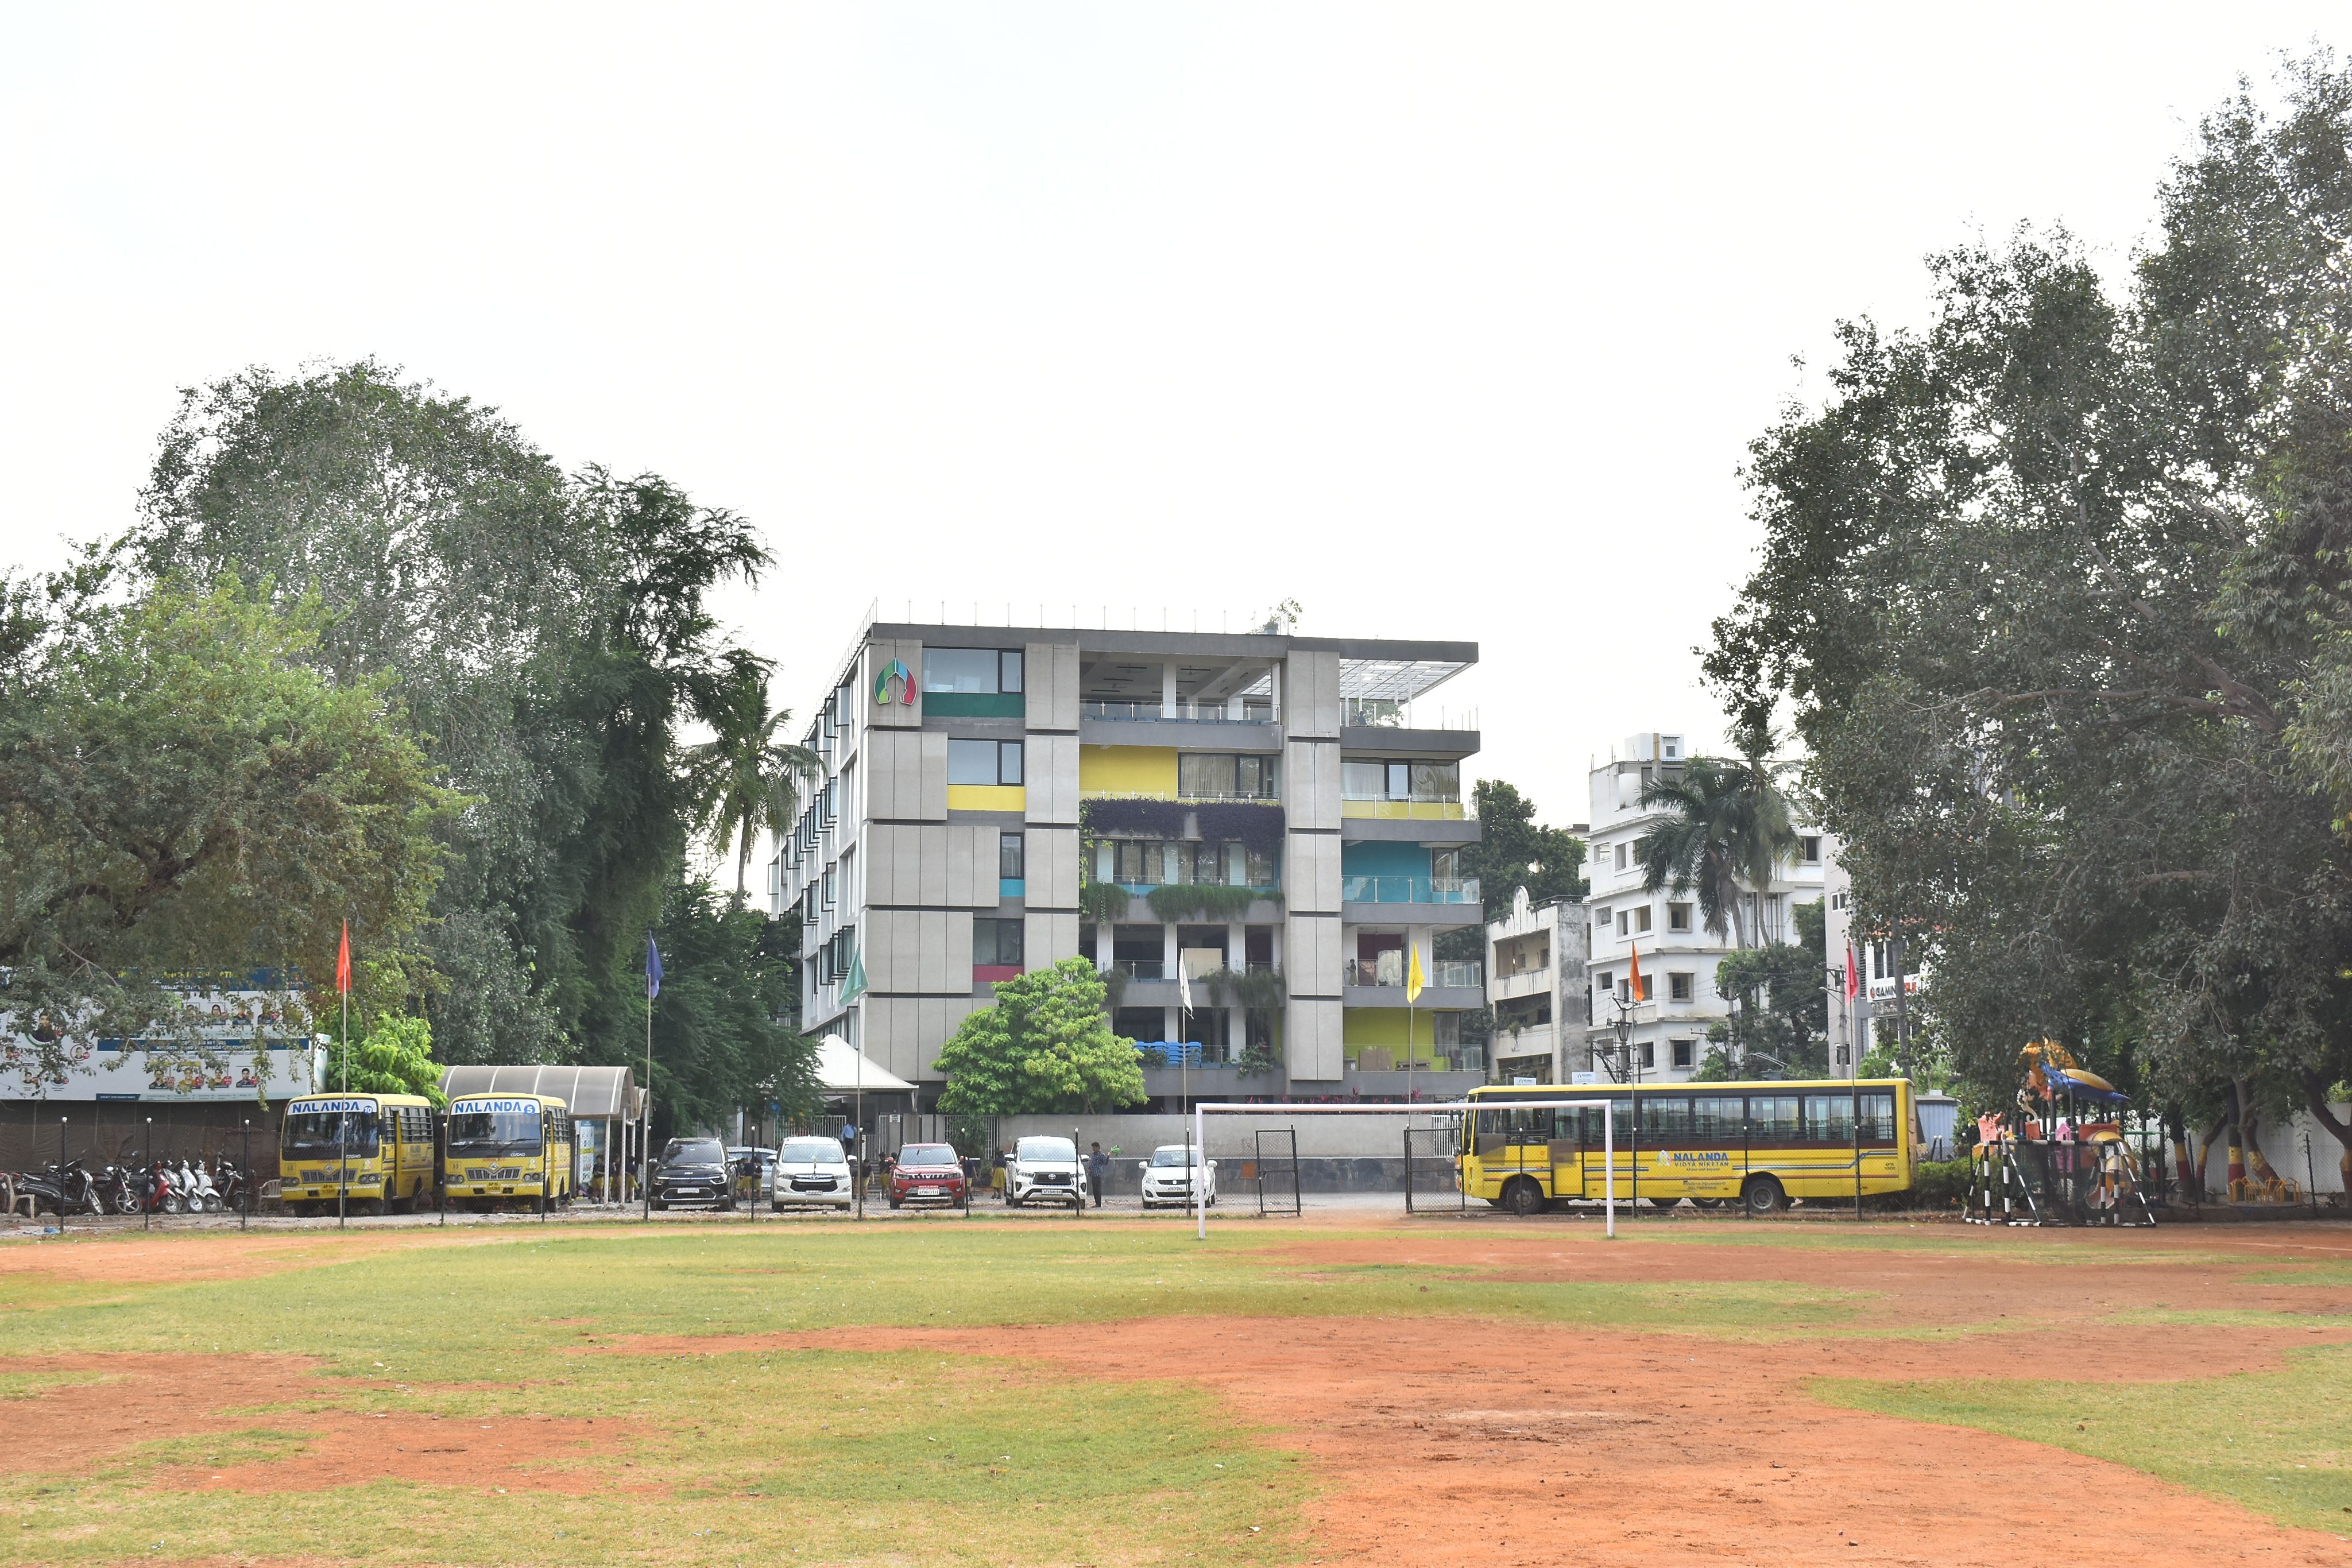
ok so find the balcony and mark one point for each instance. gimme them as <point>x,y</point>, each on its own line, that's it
<point>1408,890</point>
<point>1388,970</point>
<point>1404,809</point>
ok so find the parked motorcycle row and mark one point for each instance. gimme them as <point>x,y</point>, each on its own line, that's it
<point>171,1184</point>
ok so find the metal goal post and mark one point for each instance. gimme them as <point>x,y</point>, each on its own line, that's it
<point>1204,1109</point>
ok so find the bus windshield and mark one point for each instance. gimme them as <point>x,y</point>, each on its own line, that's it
<point>322,1136</point>
<point>484,1133</point>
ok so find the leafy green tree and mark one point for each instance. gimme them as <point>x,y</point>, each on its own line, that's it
<point>395,1057</point>
<point>1778,1025</point>
<point>184,793</point>
<point>549,633</point>
<point>1515,851</point>
<point>721,1037</point>
<point>744,780</point>
<point>2055,586</point>
<point>1044,1046</point>
<point>1728,834</point>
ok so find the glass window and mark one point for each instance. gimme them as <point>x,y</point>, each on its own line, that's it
<point>1263,869</point>
<point>971,761</point>
<point>1008,762</point>
<point>1131,867</point>
<point>962,669</point>
<point>1829,1119</point>
<point>1400,780</point>
<point>1678,988</point>
<point>1362,780</point>
<point>1205,775</point>
<point>1678,917</point>
<point>1809,850</point>
<point>1717,1118</point>
<point>1437,780</point>
<point>1683,1049</point>
<point>1008,669</point>
<point>995,942</point>
<point>1646,1054</point>
<point>1256,776</point>
<point>1878,1118</point>
<point>1666,1118</point>
<point>1009,855</point>
<point>1642,917</point>
<point>1772,1118</point>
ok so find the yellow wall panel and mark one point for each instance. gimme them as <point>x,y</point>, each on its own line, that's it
<point>987,798</point>
<point>1128,771</point>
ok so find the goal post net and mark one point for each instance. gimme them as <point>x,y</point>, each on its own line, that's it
<point>1255,1150</point>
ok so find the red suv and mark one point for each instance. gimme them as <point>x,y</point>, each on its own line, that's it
<point>926,1173</point>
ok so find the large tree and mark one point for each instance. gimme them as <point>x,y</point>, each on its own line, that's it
<point>549,632</point>
<point>744,780</point>
<point>185,792</point>
<point>2056,585</point>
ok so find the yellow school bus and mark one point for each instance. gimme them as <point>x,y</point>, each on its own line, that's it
<point>509,1148</point>
<point>1759,1145</point>
<point>380,1146</point>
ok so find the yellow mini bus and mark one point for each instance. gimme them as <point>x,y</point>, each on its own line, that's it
<point>509,1148</point>
<point>1759,1145</point>
<point>378,1147</point>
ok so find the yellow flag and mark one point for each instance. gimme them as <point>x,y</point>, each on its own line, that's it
<point>1413,980</point>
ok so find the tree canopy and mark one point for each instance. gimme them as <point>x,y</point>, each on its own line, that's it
<point>1045,1046</point>
<point>2056,585</point>
<point>186,793</point>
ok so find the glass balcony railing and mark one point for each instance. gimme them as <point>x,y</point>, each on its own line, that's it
<point>1408,890</point>
<point>1388,969</point>
<point>1141,968</point>
<point>1152,709</point>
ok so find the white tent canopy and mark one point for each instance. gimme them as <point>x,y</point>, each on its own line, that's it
<point>843,1070</point>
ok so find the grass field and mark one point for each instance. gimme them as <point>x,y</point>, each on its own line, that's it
<point>1108,1393</point>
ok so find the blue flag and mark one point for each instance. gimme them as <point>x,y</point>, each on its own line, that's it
<point>653,969</point>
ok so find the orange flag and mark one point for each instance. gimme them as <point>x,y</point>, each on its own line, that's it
<point>343,962</point>
<point>1634,978</point>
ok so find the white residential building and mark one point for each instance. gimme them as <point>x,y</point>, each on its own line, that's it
<point>1666,1025</point>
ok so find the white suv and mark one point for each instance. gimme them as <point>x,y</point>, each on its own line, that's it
<point>1045,1170</point>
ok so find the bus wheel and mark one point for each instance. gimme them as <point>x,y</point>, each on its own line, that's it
<point>1524,1197</point>
<point>1762,1194</point>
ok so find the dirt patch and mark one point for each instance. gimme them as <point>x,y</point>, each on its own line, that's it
<point>150,1398</point>
<point>1508,1444</point>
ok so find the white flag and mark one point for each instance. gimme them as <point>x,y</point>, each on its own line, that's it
<point>1183,983</point>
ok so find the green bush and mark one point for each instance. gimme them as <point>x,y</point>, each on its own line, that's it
<point>1940,1183</point>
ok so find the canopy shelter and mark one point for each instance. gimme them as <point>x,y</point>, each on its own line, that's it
<point>843,1071</point>
<point>606,1106</point>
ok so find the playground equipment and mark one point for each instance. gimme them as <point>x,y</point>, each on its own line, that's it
<point>2043,1162</point>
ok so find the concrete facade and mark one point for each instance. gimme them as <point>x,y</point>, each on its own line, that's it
<point>1535,981</point>
<point>977,778</point>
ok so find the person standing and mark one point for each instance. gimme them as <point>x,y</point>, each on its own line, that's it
<point>1098,1172</point>
<point>996,1174</point>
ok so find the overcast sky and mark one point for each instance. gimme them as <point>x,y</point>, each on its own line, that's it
<point>1448,320</point>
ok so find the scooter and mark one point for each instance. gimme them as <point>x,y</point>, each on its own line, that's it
<point>233,1183</point>
<point>203,1196</point>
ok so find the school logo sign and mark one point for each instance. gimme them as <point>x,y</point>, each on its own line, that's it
<point>895,678</point>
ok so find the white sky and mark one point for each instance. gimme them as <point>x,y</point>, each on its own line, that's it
<point>1447,321</point>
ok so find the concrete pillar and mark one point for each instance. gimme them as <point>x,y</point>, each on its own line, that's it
<point>1167,693</point>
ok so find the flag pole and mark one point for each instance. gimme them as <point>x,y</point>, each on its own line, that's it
<point>343,1117</point>
<point>646,1105</point>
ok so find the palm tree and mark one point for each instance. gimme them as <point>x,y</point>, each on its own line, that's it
<point>1729,832</point>
<point>743,779</point>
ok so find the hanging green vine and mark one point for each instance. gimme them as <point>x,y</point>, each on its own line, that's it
<point>1210,902</point>
<point>1103,902</point>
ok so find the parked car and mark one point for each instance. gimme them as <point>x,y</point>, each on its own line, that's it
<point>926,1173</point>
<point>811,1171</point>
<point>694,1173</point>
<point>1167,1176</point>
<point>1045,1170</point>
